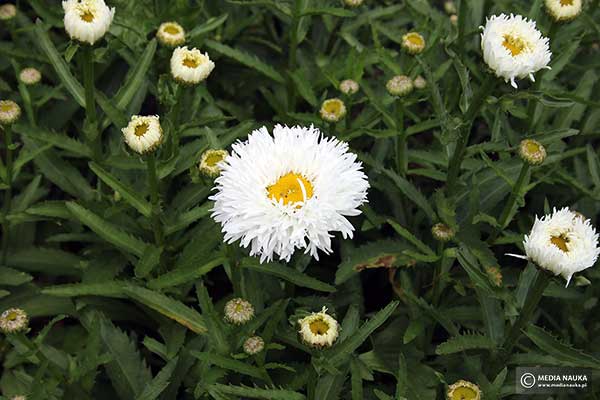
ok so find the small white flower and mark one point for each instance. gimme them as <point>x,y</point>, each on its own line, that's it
<point>13,320</point>
<point>30,76</point>
<point>563,10</point>
<point>319,329</point>
<point>288,191</point>
<point>190,66</point>
<point>333,110</point>
<point>143,134</point>
<point>209,162</point>
<point>254,345</point>
<point>9,112</point>
<point>513,47</point>
<point>7,11</point>
<point>563,243</point>
<point>87,20</point>
<point>399,85</point>
<point>238,311</point>
<point>349,87</point>
<point>413,42</point>
<point>171,34</point>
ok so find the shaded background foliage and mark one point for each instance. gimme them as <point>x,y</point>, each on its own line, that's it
<point>116,315</point>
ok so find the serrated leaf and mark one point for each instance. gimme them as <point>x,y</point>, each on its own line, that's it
<point>465,342</point>
<point>286,273</point>
<point>148,261</point>
<point>209,25</point>
<point>160,382</point>
<point>237,366</point>
<point>184,275</point>
<point>335,11</point>
<point>258,393</point>
<point>12,277</point>
<point>105,289</point>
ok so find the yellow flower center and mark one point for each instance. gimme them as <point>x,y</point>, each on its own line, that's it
<point>291,188</point>
<point>561,242</point>
<point>12,316</point>
<point>332,107</point>
<point>87,16</point>
<point>464,393</point>
<point>515,45</point>
<point>191,61</point>
<point>564,3</point>
<point>213,159</point>
<point>415,38</point>
<point>6,107</point>
<point>319,327</point>
<point>141,129</point>
<point>532,147</point>
<point>171,29</point>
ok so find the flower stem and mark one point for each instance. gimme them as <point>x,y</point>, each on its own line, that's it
<point>401,149</point>
<point>90,102</point>
<point>504,219</point>
<point>463,139</point>
<point>8,192</point>
<point>154,199</point>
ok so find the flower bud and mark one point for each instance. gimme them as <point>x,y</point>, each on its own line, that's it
<point>254,345</point>
<point>413,43</point>
<point>563,10</point>
<point>532,152</point>
<point>190,66</point>
<point>353,3</point>
<point>333,110</point>
<point>170,34</point>
<point>30,76</point>
<point>442,232</point>
<point>9,112</point>
<point>143,134</point>
<point>319,330</point>
<point>349,87</point>
<point>399,85</point>
<point>420,83</point>
<point>463,390</point>
<point>7,11</point>
<point>13,320</point>
<point>209,162</point>
<point>238,311</point>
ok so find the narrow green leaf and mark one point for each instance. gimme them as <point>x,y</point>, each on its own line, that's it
<point>209,25</point>
<point>286,273</point>
<point>239,367</point>
<point>160,382</point>
<point>105,289</point>
<point>184,275</point>
<point>258,393</point>
<point>148,261</point>
<point>461,343</point>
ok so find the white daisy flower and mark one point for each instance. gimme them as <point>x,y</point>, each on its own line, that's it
<point>513,47</point>
<point>87,20</point>
<point>13,320</point>
<point>143,134</point>
<point>190,66</point>
<point>563,10</point>
<point>288,191</point>
<point>171,34</point>
<point>9,112</point>
<point>319,329</point>
<point>30,76</point>
<point>563,243</point>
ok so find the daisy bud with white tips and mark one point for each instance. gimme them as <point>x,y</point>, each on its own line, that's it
<point>513,47</point>
<point>87,20</point>
<point>190,66</point>
<point>254,345</point>
<point>333,110</point>
<point>238,311</point>
<point>563,10</point>
<point>442,232</point>
<point>413,43</point>
<point>463,390</point>
<point>532,152</point>
<point>353,3</point>
<point>319,330</point>
<point>30,76</point>
<point>562,243</point>
<point>349,87</point>
<point>420,83</point>
<point>287,191</point>
<point>143,134</point>
<point>9,112</point>
<point>13,320</point>
<point>399,85</point>
<point>7,11</point>
<point>171,34</point>
<point>209,162</point>
<point>450,7</point>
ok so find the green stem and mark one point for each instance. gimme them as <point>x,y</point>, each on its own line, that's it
<point>401,148</point>
<point>463,139</point>
<point>154,199</point>
<point>8,193</point>
<point>437,277</point>
<point>504,219</point>
<point>90,101</point>
<point>174,118</point>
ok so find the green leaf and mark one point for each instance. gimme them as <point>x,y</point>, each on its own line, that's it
<point>340,352</point>
<point>60,66</point>
<point>148,261</point>
<point>181,276</point>
<point>412,193</point>
<point>12,277</point>
<point>168,307</point>
<point>105,289</point>
<point>61,141</point>
<point>160,382</point>
<point>135,200</point>
<point>187,218</point>
<point>246,59</point>
<point>410,237</point>
<point>465,342</point>
<point>136,77</point>
<point>45,260</point>
<point>335,11</point>
<point>239,367</point>
<point>210,25</point>
<point>108,231</point>
<point>257,393</point>
<point>286,273</point>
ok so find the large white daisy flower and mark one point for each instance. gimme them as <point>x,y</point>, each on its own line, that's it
<point>87,20</point>
<point>190,66</point>
<point>563,243</point>
<point>288,191</point>
<point>513,47</point>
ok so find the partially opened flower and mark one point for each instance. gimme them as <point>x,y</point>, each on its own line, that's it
<point>30,76</point>
<point>209,162</point>
<point>288,191</point>
<point>9,112</point>
<point>319,329</point>
<point>254,345</point>
<point>463,390</point>
<point>413,42</point>
<point>513,47</point>
<point>171,34</point>
<point>87,20</point>
<point>333,110</point>
<point>7,11</point>
<point>238,311</point>
<point>563,10</point>
<point>190,66</point>
<point>349,86</point>
<point>143,134</point>
<point>532,152</point>
<point>13,320</point>
<point>399,85</point>
<point>563,243</point>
